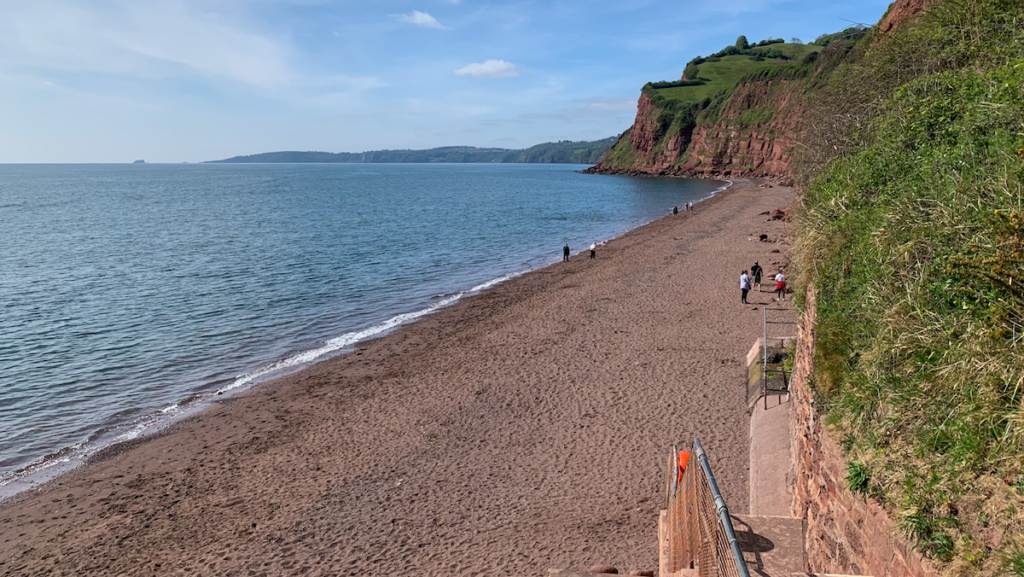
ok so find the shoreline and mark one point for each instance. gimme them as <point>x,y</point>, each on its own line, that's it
<point>525,372</point>
<point>46,469</point>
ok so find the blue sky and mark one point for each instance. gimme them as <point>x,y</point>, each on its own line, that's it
<point>192,80</point>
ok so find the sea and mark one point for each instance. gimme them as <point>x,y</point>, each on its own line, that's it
<point>134,295</point>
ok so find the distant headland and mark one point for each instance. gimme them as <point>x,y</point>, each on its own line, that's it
<point>562,152</point>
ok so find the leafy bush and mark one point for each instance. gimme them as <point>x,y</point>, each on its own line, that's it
<point>676,83</point>
<point>851,34</point>
<point>784,72</point>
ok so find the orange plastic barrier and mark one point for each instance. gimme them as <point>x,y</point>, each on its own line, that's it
<point>683,459</point>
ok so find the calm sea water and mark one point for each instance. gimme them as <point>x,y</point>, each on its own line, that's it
<point>131,294</point>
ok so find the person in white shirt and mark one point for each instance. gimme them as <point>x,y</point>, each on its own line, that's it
<point>744,287</point>
<point>593,250</point>
<point>780,286</point>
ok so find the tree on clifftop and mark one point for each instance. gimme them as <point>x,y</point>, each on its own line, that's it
<point>742,43</point>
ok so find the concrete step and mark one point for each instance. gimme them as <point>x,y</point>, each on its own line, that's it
<point>771,546</point>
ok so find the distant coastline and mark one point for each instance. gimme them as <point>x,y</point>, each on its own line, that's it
<point>563,152</point>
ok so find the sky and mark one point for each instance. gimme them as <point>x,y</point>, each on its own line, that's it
<point>194,80</point>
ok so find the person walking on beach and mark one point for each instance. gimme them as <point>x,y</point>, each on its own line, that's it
<point>593,250</point>
<point>675,210</point>
<point>756,271</point>
<point>565,253</point>
<point>780,286</point>
<point>744,287</point>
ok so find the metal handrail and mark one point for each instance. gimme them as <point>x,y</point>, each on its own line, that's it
<point>764,354</point>
<point>723,511</point>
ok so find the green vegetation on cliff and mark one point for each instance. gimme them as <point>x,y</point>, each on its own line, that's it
<point>564,152</point>
<point>714,93</point>
<point>723,73</point>
<point>913,238</point>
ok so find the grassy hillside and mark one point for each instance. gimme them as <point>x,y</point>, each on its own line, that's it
<point>725,73</point>
<point>914,240</point>
<point>563,152</point>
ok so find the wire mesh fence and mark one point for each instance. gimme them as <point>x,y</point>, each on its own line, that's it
<point>699,531</point>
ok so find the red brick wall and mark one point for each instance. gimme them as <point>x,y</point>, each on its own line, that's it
<point>846,534</point>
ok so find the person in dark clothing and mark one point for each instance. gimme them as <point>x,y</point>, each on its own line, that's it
<point>565,253</point>
<point>756,271</point>
<point>593,250</point>
<point>675,210</point>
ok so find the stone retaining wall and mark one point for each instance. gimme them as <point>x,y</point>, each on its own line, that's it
<point>846,534</point>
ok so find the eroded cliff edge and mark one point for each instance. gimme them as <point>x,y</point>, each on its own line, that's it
<point>751,127</point>
<point>752,136</point>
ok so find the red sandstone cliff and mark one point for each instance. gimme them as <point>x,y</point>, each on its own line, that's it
<point>900,11</point>
<point>762,150</point>
<point>655,154</point>
<point>731,146</point>
<point>754,135</point>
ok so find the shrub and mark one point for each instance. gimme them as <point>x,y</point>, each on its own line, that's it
<point>676,83</point>
<point>852,34</point>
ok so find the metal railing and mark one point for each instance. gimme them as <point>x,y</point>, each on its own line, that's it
<point>698,528</point>
<point>765,389</point>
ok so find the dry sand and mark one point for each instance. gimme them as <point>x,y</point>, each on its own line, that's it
<point>522,429</point>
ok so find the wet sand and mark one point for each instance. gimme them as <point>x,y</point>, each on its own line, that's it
<point>523,428</point>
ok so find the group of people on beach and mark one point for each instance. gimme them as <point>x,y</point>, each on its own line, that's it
<point>754,278</point>
<point>566,252</point>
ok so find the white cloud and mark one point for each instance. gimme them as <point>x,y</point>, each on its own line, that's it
<point>420,19</point>
<point>120,48</point>
<point>488,69</point>
<point>148,40</point>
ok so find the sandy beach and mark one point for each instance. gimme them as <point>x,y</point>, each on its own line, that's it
<point>520,429</point>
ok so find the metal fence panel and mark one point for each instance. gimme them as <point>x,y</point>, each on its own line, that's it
<point>700,533</point>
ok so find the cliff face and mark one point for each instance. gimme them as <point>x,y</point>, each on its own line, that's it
<point>754,136</point>
<point>752,129</point>
<point>735,146</point>
<point>900,11</point>
<point>655,152</point>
